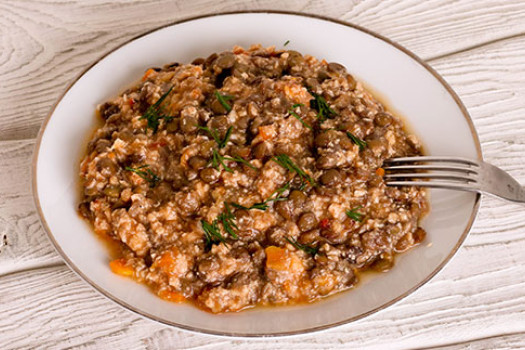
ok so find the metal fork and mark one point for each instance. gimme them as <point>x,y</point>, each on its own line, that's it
<point>453,173</point>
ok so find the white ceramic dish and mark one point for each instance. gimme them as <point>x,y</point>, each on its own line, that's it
<point>413,89</point>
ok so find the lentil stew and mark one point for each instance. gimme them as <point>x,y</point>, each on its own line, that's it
<point>251,177</point>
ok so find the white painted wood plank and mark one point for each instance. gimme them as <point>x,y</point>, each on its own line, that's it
<point>511,341</point>
<point>27,245</point>
<point>45,44</point>
<point>491,83</point>
<point>439,27</point>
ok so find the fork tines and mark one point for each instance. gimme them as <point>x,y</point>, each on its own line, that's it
<point>429,171</point>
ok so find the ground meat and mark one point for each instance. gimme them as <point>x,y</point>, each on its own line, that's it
<point>251,177</point>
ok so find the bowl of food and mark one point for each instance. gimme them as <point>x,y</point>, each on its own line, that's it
<point>233,184</point>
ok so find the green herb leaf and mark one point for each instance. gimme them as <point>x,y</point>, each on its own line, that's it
<point>145,173</point>
<point>286,42</point>
<point>227,136</point>
<point>227,222</point>
<point>239,159</point>
<point>296,116</point>
<point>278,192</point>
<point>321,106</point>
<point>223,100</point>
<point>153,114</point>
<point>212,233</point>
<point>285,161</point>
<point>238,206</point>
<point>304,247</point>
<point>217,160</point>
<point>214,133</point>
<point>354,215</point>
<point>260,206</point>
<point>263,206</point>
<point>362,144</point>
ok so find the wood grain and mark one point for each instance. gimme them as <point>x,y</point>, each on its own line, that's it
<point>477,301</point>
<point>27,246</point>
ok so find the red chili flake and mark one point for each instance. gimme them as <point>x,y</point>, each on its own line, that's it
<point>156,145</point>
<point>325,223</point>
<point>131,102</point>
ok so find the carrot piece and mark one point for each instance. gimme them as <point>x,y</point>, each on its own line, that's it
<point>280,259</point>
<point>276,258</point>
<point>380,172</point>
<point>267,132</point>
<point>165,262</point>
<point>238,50</point>
<point>169,295</point>
<point>120,267</point>
<point>148,73</point>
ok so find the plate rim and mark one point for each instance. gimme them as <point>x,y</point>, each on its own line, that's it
<point>121,303</point>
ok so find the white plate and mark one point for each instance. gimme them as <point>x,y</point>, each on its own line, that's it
<point>412,88</point>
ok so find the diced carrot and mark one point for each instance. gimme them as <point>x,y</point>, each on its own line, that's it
<point>238,50</point>
<point>120,267</point>
<point>84,165</point>
<point>280,259</point>
<point>380,172</point>
<point>165,262</point>
<point>276,258</point>
<point>296,93</point>
<point>169,295</point>
<point>195,94</point>
<point>148,73</point>
<point>267,132</point>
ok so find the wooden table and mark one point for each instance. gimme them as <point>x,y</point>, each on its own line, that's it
<point>478,300</point>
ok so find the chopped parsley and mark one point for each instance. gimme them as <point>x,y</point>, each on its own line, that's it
<point>286,42</point>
